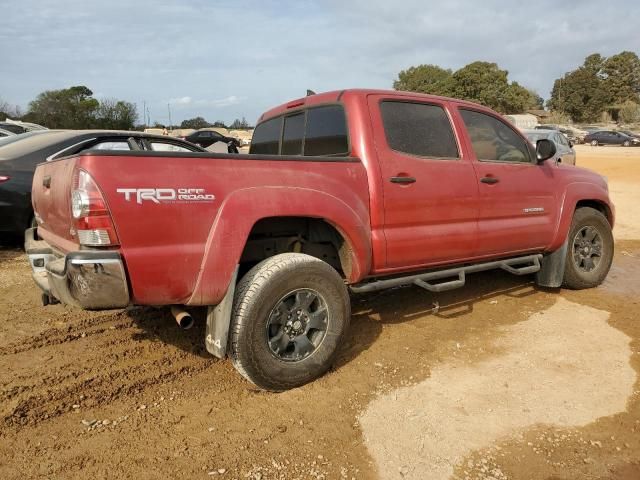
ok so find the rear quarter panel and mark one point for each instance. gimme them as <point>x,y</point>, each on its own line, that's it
<point>185,251</point>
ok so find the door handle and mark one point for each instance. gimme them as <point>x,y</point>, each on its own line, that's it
<point>489,180</point>
<point>402,180</point>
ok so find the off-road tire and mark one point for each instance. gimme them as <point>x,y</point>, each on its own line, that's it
<point>575,277</point>
<point>257,295</point>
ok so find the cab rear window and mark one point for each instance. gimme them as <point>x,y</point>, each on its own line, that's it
<point>316,131</point>
<point>266,137</point>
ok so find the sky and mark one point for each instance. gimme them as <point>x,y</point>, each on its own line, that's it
<point>231,59</point>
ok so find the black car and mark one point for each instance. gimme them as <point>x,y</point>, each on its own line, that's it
<point>609,137</point>
<point>12,127</point>
<point>19,155</point>
<point>630,133</point>
<point>205,138</point>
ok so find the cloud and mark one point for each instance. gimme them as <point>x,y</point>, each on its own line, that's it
<point>180,101</point>
<point>223,102</point>
<point>239,58</point>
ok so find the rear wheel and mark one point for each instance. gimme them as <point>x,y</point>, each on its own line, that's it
<point>590,251</point>
<point>290,314</point>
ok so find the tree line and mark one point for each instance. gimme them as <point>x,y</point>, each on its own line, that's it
<point>75,108</point>
<point>480,82</point>
<point>601,86</point>
<point>199,122</point>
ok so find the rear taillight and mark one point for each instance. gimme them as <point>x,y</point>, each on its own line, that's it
<point>92,220</point>
<point>4,178</point>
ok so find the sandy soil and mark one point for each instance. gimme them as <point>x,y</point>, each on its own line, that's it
<point>126,394</point>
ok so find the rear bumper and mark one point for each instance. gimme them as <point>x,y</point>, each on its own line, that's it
<point>89,279</point>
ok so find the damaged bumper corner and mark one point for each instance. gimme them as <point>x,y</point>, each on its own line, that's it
<point>88,279</point>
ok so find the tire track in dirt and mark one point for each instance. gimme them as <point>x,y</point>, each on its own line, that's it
<point>92,362</point>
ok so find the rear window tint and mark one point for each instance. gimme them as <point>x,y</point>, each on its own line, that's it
<point>326,131</point>
<point>418,129</point>
<point>266,137</point>
<point>292,134</point>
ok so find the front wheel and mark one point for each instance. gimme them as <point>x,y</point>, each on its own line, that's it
<point>626,143</point>
<point>594,143</point>
<point>590,251</point>
<point>290,314</point>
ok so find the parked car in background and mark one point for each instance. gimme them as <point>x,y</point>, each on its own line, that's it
<point>205,137</point>
<point>20,154</point>
<point>630,133</point>
<point>6,133</point>
<point>16,126</point>
<point>564,148</point>
<point>609,137</point>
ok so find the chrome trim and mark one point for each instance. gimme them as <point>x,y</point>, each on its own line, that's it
<point>89,279</point>
<point>53,156</point>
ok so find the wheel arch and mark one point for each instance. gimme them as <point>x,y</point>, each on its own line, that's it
<point>246,212</point>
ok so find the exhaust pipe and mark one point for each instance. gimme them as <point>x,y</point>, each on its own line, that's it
<point>183,318</point>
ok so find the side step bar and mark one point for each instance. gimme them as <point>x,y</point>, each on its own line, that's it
<point>517,266</point>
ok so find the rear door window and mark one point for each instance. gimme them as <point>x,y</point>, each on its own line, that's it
<point>326,131</point>
<point>418,129</point>
<point>266,137</point>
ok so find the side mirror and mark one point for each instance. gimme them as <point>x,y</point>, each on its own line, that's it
<point>545,149</point>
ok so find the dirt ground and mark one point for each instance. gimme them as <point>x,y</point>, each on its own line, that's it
<point>503,381</point>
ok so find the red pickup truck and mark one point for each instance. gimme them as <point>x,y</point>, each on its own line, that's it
<point>349,190</point>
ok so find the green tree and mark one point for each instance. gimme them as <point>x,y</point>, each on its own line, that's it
<point>219,123</point>
<point>73,108</point>
<point>621,75</point>
<point>429,79</point>
<point>195,123</point>
<point>113,114</point>
<point>487,84</point>
<point>239,124</point>
<point>629,112</point>
<point>8,110</point>
<point>581,94</point>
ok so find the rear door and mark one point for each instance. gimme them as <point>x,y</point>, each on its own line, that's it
<point>430,189</point>
<point>517,200</point>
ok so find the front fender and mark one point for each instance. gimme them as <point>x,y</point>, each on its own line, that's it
<point>579,192</point>
<point>243,208</point>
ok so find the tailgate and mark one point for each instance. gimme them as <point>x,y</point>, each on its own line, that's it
<point>51,197</point>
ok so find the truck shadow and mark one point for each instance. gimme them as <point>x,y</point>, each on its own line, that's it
<point>373,311</point>
<point>158,325</point>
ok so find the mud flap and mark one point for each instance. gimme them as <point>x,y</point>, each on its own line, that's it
<point>551,272</point>
<point>218,321</point>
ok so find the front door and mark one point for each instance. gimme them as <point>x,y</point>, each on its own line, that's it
<point>430,189</point>
<point>518,204</point>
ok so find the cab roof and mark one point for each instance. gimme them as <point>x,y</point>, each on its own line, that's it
<point>338,95</point>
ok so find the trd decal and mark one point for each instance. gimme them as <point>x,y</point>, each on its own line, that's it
<point>166,195</point>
